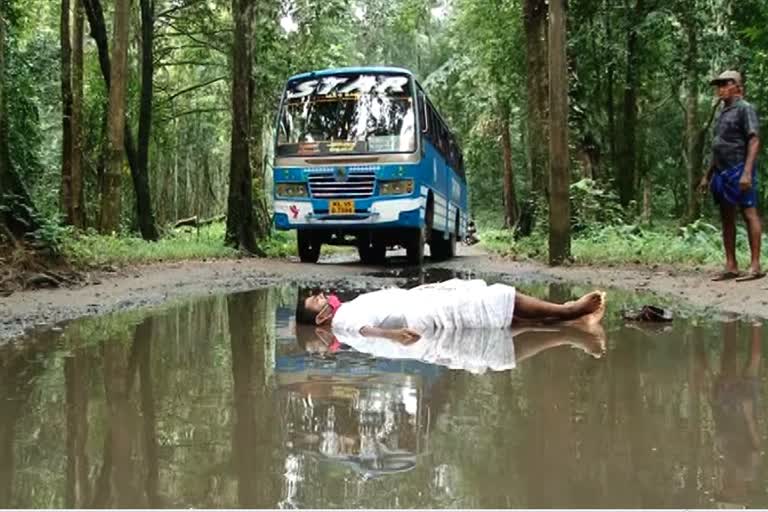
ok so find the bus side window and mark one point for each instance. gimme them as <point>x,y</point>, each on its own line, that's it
<point>443,140</point>
<point>423,118</point>
<point>434,127</point>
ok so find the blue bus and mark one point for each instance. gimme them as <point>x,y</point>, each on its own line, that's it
<point>363,158</point>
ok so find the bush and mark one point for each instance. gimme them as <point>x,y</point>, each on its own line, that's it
<point>593,207</point>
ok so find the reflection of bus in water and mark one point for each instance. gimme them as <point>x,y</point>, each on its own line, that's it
<point>363,158</point>
<point>371,416</point>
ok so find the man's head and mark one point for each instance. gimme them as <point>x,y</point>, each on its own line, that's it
<point>312,339</point>
<point>729,84</point>
<point>313,310</point>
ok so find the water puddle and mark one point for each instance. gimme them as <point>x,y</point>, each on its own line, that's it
<point>221,402</point>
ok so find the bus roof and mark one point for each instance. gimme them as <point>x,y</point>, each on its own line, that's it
<point>363,69</point>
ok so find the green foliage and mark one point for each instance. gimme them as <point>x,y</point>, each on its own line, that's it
<point>98,250</point>
<point>697,244</point>
<point>280,244</point>
<point>50,233</point>
<point>592,206</point>
<point>95,250</point>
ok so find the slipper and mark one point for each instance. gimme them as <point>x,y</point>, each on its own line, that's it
<point>648,314</point>
<point>726,275</point>
<point>751,276</point>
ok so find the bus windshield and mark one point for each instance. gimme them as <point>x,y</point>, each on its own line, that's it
<point>349,113</point>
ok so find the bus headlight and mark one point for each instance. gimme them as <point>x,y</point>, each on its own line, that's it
<point>395,187</point>
<point>291,189</point>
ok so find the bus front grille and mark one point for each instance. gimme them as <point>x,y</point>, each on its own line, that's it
<point>329,184</point>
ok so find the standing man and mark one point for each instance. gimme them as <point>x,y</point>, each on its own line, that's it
<point>732,175</point>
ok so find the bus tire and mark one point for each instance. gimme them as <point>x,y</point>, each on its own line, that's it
<point>309,246</point>
<point>441,249</point>
<point>374,253</point>
<point>454,238</point>
<point>414,247</point>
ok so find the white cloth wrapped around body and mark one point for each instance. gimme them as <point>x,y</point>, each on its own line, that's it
<point>451,305</point>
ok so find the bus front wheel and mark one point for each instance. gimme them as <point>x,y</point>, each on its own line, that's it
<point>309,246</point>
<point>414,247</point>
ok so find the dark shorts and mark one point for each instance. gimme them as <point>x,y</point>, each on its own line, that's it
<point>725,188</point>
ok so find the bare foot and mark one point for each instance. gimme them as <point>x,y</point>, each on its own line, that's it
<point>590,338</point>
<point>596,314</point>
<point>586,305</point>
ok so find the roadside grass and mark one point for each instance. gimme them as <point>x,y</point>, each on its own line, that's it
<point>95,250</point>
<point>698,244</point>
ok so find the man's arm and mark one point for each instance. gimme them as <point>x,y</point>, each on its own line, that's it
<point>753,147</point>
<point>704,183</point>
<point>404,335</point>
<point>751,127</point>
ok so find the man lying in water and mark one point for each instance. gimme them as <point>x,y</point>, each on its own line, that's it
<point>403,315</point>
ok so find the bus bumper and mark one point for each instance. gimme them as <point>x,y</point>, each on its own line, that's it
<point>405,212</point>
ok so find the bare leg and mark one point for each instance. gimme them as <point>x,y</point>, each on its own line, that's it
<point>531,308</point>
<point>755,351</point>
<point>728,219</point>
<point>754,233</point>
<point>729,356</point>
<point>530,343</point>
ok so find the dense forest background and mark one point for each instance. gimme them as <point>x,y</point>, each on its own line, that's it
<point>121,116</point>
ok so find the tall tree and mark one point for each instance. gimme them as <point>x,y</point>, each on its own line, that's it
<point>145,215</point>
<point>110,196</point>
<point>511,208</point>
<point>144,210</point>
<point>627,157</point>
<point>535,24</point>
<point>67,146</point>
<point>559,173</point>
<point>240,224</point>
<point>77,180</point>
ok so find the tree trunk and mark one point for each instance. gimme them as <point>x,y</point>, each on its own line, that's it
<point>144,211</point>
<point>610,102</point>
<point>627,164</point>
<point>110,198</point>
<point>240,225</point>
<point>96,21</point>
<point>694,153</point>
<point>67,147</point>
<point>262,220</point>
<point>535,21</point>
<point>646,214</point>
<point>511,210</point>
<point>559,177</point>
<point>77,186</point>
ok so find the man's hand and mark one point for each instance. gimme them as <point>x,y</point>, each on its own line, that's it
<point>407,336</point>
<point>403,335</point>
<point>745,182</point>
<point>703,184</point>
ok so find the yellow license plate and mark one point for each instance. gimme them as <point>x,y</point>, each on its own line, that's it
<point>341,207</point>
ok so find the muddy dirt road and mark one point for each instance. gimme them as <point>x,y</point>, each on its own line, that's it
<point>154,284</point>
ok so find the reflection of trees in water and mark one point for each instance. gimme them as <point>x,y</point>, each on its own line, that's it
<point>176,430</point>
<point>19,370</point>
<point>349,433</point>
<point>253,445</point>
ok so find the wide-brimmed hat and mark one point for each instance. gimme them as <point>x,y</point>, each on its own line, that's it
<point>725,77</point>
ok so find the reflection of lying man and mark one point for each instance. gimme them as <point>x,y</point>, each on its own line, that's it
<point>473,350</point>
<point>405,316</point>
